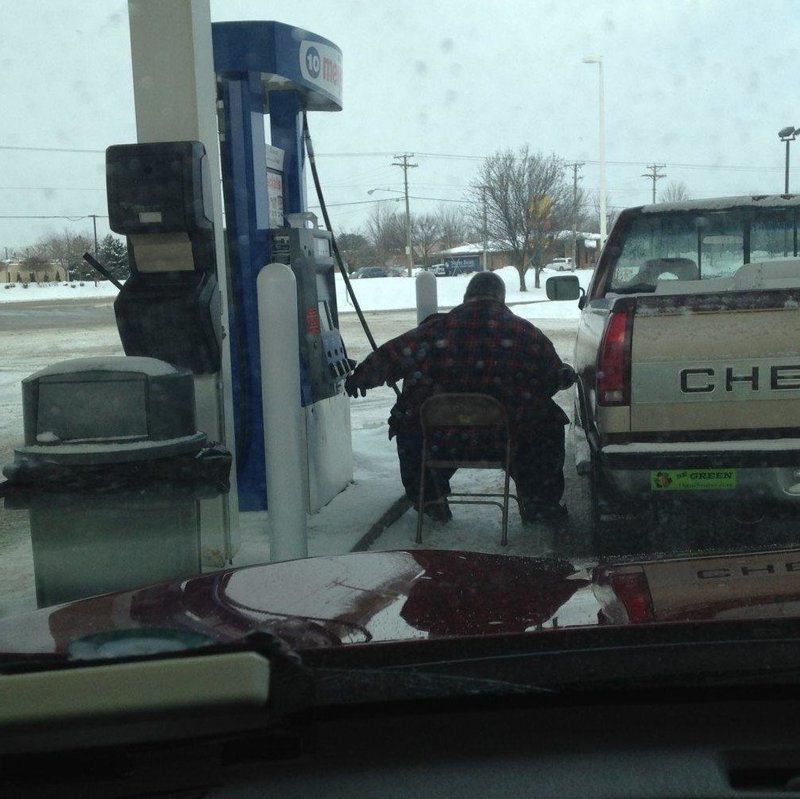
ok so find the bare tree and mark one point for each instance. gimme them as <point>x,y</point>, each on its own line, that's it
<point>385,229</point>
<point>611,214</point>
<point>675,192</point>
<point>425,235</point>
<point>356,250</point>
<point>454,224</point>
<point>31,263</point>
<point>526,199</point>
<point>65,249</point>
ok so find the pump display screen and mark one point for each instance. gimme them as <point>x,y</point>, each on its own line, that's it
<point>97,410</point>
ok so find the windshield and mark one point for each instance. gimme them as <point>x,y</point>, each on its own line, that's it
<point>214,423</point>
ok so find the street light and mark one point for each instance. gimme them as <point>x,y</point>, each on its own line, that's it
<point>598,59</point>
<point>787,135</point>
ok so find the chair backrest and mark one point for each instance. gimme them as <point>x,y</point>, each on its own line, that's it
<point>682,268</point>
<point>462,410</point>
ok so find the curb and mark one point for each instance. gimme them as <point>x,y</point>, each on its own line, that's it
<point>394,512</point>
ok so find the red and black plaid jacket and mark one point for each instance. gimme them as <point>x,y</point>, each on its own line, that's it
<point>479,346</point>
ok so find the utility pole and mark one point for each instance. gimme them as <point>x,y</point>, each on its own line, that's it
<point>406,166</point>
<point>575,167</point>
<point>485,231</point>
<point>94,225</point>
<point>654,175</point>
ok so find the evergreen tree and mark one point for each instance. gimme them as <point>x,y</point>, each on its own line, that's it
<point>113,255</point>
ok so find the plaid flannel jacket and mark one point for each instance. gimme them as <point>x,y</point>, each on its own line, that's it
<point>479,346</point>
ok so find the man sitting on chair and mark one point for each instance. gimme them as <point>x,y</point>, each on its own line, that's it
<point>480,347</point>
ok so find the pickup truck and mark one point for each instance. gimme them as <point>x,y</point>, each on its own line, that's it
<point>687,358</point>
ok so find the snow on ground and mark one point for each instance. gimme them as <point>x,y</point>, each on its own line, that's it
<point>338,527</point>
<point>373,294</point>
<point>85,290</point>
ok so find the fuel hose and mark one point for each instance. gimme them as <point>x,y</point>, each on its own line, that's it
<point>337,255</point>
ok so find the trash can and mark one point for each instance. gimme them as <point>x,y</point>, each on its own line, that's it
<point>112,471</point>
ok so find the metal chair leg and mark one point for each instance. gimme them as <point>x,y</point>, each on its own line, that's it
<point>421,495</point>
<point>504,537</point>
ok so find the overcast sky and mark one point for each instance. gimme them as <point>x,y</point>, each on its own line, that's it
<point>702,87</point>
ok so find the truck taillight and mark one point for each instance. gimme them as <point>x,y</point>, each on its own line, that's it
<point>614,361</point>
<point>633,592</point>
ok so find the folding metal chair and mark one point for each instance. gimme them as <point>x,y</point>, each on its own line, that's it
<point>479,411</point>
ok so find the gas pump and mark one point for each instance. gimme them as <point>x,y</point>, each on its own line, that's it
<point>268,69</point>
<point>323,358</point>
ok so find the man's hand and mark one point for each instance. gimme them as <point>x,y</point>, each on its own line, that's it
<point>352,388</point>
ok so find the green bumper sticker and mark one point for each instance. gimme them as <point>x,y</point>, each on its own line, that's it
<point>692,479</point>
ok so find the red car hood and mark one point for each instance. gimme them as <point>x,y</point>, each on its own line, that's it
<point>322,602</point>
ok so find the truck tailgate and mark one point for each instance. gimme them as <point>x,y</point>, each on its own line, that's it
<point>716,363</point>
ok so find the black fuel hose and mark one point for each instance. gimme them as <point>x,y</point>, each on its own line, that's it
<point>98,267</point>
<point>334,245</point>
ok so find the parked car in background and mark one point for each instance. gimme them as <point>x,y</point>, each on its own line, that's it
<point>561,265</point>
<point>371,271</point>
<point>462,268</point>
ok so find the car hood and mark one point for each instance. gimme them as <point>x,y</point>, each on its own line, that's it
<point>322,602</point>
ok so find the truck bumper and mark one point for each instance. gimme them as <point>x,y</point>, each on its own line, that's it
<point>755,470</point>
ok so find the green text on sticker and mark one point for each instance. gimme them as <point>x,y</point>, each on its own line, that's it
<point>692,479</point>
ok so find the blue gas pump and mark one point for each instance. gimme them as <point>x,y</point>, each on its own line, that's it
<point>269,69</point>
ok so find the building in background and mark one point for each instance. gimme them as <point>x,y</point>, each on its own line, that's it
<point>15,271</point>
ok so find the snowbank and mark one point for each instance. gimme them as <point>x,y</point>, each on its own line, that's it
<point>38,292</point>
<point>399,293</point>
<point>373,294</point>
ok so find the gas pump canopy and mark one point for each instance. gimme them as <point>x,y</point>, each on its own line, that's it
<point>286,58</point>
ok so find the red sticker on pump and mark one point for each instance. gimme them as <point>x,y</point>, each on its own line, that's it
<point>312,321</point>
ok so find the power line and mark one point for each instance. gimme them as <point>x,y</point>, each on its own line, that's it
<point>49,149</point>
<point>452,156</point>
<point>362,202</point>
<point>51,188</point>
<point>71,217</point>
<point>464,157</point>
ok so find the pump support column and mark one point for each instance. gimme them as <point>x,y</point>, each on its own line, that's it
<point>175,99</point>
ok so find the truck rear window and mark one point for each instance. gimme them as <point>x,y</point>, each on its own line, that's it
<point>699,245</point>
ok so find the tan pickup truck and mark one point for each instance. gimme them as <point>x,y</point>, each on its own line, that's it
<point>688,358</point>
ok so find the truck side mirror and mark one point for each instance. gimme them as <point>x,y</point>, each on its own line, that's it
<point>563,287</point>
